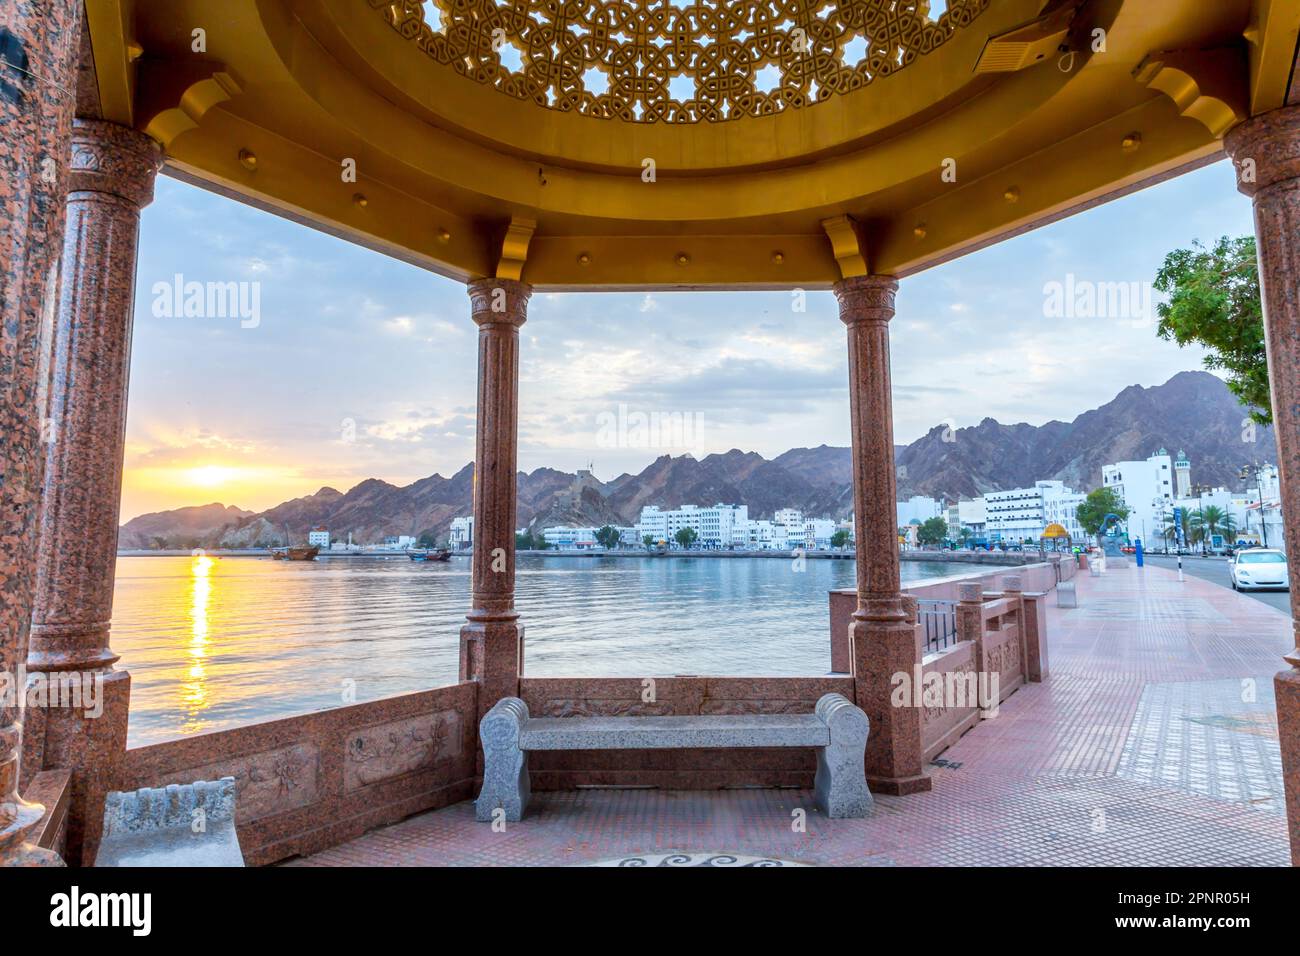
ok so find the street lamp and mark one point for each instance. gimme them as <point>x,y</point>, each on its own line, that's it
<point>1159,514</point>
<point>1254,468</point>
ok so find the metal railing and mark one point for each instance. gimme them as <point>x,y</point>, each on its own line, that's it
<point>939,618</point>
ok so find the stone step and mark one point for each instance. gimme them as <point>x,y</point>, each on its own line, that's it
<point>671,733</point>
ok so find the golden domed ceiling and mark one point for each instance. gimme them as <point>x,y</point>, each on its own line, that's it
<point>676,144</point>
<point>655,61</point>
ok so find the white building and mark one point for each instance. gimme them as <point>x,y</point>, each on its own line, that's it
<point>769,535</point>
<point>971,514</point>
<point>565,538</point>
<point>687,516</point>
<point>724,526</point>
<point>788,517</point>
<point>919,508</point>
<point>654,524</point>
<point>817,532</point>
<point>319,537</point>
<point>1263,522</point>
<point>720,526</point>
<point>1253,521</point>
<point>399,542</point>
<point>1022,514</point>
<point>461,533</point>
<point>1148,490</point>
<point>759,535</point>
<point>1061,507</point>
<point>1182,476</point>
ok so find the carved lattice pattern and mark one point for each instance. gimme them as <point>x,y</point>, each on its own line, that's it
<point>655,61</point>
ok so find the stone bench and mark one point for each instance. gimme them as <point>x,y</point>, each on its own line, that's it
<point>837,728</point>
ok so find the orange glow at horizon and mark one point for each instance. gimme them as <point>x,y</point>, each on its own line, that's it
<point>202,482</point>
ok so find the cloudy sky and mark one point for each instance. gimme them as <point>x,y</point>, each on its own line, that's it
<point>361,366</point>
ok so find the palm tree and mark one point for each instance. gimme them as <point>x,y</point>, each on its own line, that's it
<point>1196,528</point>
<point>1208,522</point>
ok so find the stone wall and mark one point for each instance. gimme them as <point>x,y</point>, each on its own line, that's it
<point>1035,578</point>
<point>309,782</point>
<point>942,724</point>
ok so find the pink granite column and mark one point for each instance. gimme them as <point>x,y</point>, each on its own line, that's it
<point>113,171</point>
<point>883,639</point>
<point>1266,152</point>
<point>38,46</point>
<point>491,643</point>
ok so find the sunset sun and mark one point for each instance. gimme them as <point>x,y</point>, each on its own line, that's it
<point>211,476</point>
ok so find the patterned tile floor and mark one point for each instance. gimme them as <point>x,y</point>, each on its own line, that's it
<point>1153,742</point>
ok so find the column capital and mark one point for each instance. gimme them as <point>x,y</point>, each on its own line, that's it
<point>1265,150</point>
<point>866,298</point>
<point>499,301</point>
<point>114,159</point>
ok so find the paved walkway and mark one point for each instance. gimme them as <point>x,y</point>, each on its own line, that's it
<point>1153,742</point>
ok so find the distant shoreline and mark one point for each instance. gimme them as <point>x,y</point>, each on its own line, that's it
<point>998,558</point>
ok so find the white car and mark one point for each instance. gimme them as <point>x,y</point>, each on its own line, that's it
<point>1259,569</point>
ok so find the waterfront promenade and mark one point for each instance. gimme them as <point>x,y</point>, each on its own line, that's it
<point>1154,742</point>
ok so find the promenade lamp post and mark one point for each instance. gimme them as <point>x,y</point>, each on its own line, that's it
<point>1246,473</point>
<point>1158,511</point>
<point>1199,491</point>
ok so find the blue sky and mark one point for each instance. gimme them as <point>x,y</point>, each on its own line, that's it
<point>362,366</point>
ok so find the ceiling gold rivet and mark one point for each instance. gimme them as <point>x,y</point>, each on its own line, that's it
<point>444,235</point>
<point>682,258</point>
<point>778,257</point>
<point>584,258</point>
<point>134,51</point>
<point>248,159</point>
<point>1131,142</point>
<point>1012,194</point>
<point>360,200</point>
<point>919,231</point>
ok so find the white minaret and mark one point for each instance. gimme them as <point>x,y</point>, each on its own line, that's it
<point>1183,476</point>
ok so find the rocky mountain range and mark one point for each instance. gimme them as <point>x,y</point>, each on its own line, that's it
<point>1193,412</point>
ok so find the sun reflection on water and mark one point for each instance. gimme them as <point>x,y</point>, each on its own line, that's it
<point>194,689</point>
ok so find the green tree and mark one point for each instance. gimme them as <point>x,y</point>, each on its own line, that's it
<point>1099,503</point>
<point>1175,530</point>
<point>932,531</point>
<point>1211,521</point>
<point>1214,301</point>
<point>427,540</point>
<point>607,536</point>
<point>648,540</point>
<point>524,542</point>
<point>964,536</point>
<point>840,538</point>
<point>685,537</point>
